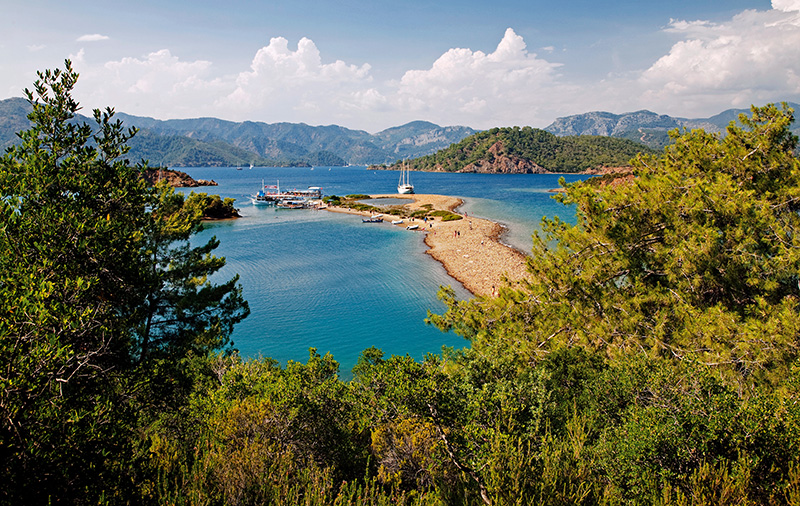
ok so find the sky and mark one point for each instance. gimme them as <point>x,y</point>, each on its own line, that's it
<point>371,65</point>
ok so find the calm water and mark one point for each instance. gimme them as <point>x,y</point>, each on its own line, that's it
<point>327,280</point>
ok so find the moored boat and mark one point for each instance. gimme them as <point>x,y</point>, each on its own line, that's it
<point>404,187</point>
<point>291,204</point>
<point>272,194</point>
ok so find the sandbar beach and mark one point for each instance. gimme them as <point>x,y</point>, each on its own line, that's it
<point>469,249</point>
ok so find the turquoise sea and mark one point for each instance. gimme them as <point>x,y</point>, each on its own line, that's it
<point>328,281</point>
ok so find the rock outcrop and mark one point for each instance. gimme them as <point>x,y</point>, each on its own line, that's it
<point>175,178</point>
<point>504,165</point>
<point>501,163</point>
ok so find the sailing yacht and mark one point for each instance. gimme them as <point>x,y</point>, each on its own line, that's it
<point>404,186</point>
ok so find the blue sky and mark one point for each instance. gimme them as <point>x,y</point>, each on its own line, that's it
<point>375,64</point>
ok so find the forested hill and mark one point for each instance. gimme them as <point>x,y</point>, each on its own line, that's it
<point>529,150</point>
<point>215,142</point>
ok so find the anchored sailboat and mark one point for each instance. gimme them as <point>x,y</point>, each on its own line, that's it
<point>404,186</point>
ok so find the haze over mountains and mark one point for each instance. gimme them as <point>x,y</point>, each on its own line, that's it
<point>215,142</point>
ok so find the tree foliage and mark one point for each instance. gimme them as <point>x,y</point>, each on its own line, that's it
<point>650,358</point>
<point>696,256</point>
<point>99,290</point>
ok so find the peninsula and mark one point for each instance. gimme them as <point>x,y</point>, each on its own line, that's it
<point>469,248</point>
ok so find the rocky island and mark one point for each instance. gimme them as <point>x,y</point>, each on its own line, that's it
<point>175,178</point>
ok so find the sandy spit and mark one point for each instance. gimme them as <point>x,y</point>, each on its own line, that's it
<point>469,249</point>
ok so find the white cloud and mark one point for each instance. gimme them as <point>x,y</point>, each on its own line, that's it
<point>158,84</point>
<point>786,5</point>
<point>508,85</point>
<point>752,58</point>
<point>285,82</point>
<point>755,57</point>
<point>465,86</point>
<point>94,37</point>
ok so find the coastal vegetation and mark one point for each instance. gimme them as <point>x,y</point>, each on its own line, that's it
<point>650,357</point>
<point>210,207</point>
<point>355,203</point>
<point>445,215</point>
<point>528,150</point>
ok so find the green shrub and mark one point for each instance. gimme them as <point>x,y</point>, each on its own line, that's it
<point>446,215</point>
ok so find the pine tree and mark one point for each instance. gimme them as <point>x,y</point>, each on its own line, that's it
<point>697,255</point>
<point>78,270</point>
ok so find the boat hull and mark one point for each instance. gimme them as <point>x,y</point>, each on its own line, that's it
<point>261,202</point>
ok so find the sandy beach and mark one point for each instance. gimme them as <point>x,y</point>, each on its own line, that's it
<point>469,248</point>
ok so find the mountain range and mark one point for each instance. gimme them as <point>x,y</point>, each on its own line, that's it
<point>216,142</point>
<point>646,127</point>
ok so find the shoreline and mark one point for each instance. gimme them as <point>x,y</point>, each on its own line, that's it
<point>470,249</point>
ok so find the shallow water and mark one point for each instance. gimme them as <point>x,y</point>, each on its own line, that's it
<point>326,280</point>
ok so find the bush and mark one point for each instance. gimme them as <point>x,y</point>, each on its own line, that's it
<point>446,215</point>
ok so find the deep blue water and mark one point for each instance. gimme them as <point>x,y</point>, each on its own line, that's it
<point>327,280</point>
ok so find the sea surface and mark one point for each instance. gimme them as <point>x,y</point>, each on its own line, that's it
<point>325,280</point>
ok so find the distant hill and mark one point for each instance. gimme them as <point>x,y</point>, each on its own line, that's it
<point>177,151</point>
<point>163,150</point>
<point>643,126</point>
<point>529,150</point>
<point>313,145</point>
<point>215,142</point>
<point>419,138</point>
<point>13,119</point>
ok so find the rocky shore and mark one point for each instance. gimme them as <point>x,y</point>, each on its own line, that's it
<point>175,178</point>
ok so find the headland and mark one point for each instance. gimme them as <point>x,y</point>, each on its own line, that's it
<point>469,249</point>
